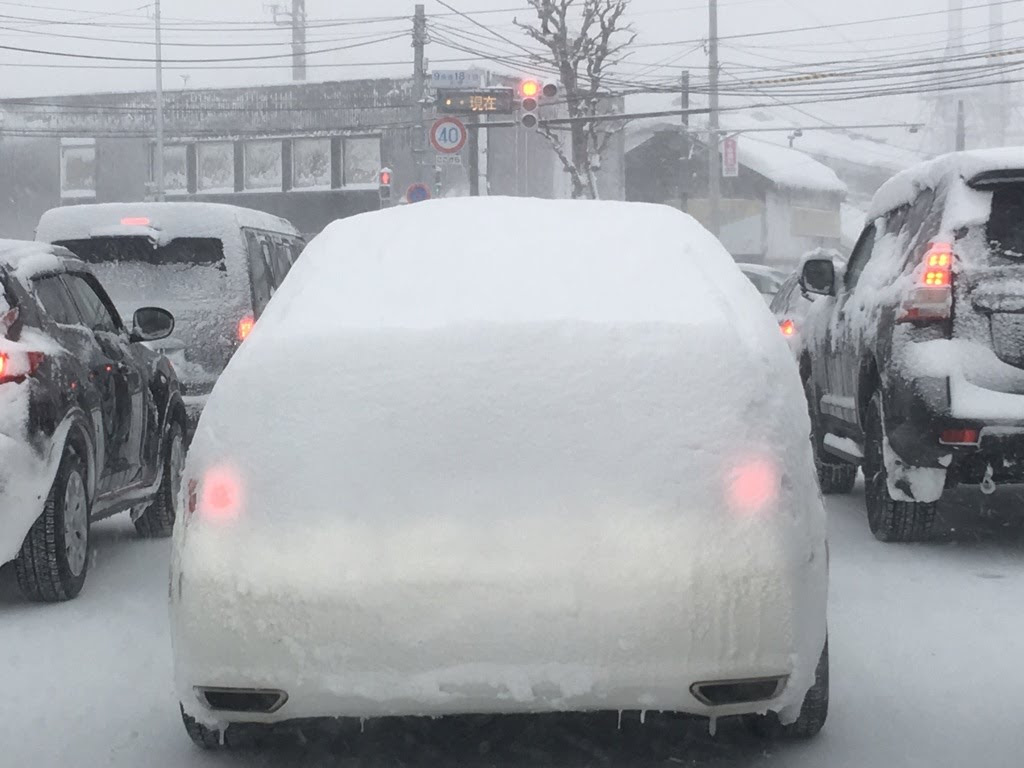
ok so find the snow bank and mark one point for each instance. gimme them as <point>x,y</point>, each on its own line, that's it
<point>464,469</point>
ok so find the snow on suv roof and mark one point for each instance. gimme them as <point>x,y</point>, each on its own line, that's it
<point>76,222</point>
<point>904,187</point>
<point>26,257</point>
<point>511,260</point>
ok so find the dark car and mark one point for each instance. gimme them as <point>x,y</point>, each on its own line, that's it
<point>914,368</point>
<point>91,420</point>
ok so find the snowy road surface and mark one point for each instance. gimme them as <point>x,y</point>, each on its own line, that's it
<point>926,646</point>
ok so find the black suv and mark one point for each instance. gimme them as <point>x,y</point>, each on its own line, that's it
<point>914,362</point>
<point>91,420</point>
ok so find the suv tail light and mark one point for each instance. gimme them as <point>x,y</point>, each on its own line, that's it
<point>788,328</point>
<point>19,365</point>
<point>964,436</point>
<point>932,298</point>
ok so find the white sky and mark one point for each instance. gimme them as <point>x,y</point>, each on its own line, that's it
<point>127,30</point>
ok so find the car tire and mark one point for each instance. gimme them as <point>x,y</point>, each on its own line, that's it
<point>54,557</point>
<point>813,711</point>
<point>833,477</point>
<point>890,520</point>
<point>157,522</point>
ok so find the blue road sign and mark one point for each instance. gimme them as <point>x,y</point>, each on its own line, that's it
<point>417,193</point>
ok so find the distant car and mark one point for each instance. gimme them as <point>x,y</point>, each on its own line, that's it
<point>91,421</point>
<point>443,479</point>
<point>915,363</point>
<point>766,279</point>
<point>791,304</point>
<point>214,266</point>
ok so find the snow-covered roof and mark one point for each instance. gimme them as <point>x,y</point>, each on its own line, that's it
<point>788,168</point>
<point>904,187</point>
<point>172,220</point>
<point>784,167</point>
<point>25,257</point>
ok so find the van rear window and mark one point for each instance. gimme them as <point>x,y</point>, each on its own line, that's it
<point>1006,221</point>
<point>181,250</point>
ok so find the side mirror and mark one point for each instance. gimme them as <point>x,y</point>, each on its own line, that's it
<point>818,277</point>
<point>152,324</point>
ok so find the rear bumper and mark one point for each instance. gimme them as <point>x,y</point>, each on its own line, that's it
<point>917,413</point>
<point>584,642</point>
<point>25,480</point>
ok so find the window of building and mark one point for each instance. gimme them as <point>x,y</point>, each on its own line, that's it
<point>263,165</point>
<point>311,164</point>
<point>78,168</point>
<point>361,155</point>
<point>215,170</point>
<point>175,168</point>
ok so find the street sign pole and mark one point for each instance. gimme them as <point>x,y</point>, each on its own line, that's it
<point>474,155</point>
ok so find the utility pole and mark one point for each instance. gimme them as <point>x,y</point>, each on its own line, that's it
<point>297,19</point>
<point>714,162</point>
<point>158,160</point>
<point>961,127</point>
<point>1000,92</point>
<point>684,157</point>
<point>419,84</point>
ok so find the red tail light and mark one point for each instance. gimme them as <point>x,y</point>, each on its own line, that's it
<point>753,486</point>
<point>788,327</point>
<point>245,326</point>
<point>932,299</point>
<point>19,365</point>
<point>220,497</point>
<point>960,437</point>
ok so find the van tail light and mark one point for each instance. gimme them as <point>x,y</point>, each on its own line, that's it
<point>19,365</point>
<point>960,436</point>
<point>932,298</point>
<point>788,328</point>
<point>245,326</point>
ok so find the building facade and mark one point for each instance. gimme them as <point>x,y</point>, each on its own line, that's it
<point>308,152</point>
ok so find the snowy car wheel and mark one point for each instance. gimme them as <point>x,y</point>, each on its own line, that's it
<point>157,521</point>
<point>890,520</point>
<point>54,557</point>
<point>813,711</point>
<point>833,477</point>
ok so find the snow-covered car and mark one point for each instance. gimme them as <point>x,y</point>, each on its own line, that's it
<point>91,421</point>
<point>766,279</point>
<point>916,361</point>
<point>574,476</point>
<point>792,304</point>
<point>214,266</point>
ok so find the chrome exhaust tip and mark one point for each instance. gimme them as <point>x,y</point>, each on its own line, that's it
<point>720,693</point>
<point>263,701</point>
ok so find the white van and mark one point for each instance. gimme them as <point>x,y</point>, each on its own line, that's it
<point>213,266</point>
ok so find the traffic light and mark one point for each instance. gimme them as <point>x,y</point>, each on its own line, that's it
<point>384,188</point>
<point>530,92</point>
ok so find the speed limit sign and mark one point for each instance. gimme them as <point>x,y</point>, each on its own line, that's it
<point>448,135</point>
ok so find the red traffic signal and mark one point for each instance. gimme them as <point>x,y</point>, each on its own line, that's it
<point>385,178</point>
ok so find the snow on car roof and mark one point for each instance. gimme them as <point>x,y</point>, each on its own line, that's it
<point>184,219</point>
<point>508,260</point>
<point>904,187</point>
<point>27,258</point>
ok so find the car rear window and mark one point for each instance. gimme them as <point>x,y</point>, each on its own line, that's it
<point>181,250</point>
<point>1006,221</point>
